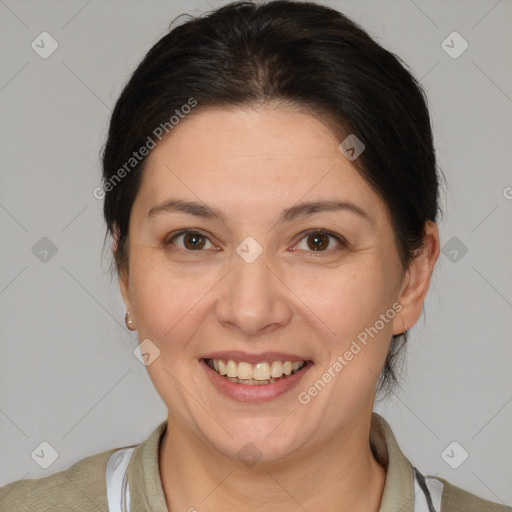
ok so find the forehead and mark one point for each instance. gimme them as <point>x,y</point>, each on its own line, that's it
<point>265,157</point>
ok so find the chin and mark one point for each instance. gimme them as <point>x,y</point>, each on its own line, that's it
<point>264,439</point>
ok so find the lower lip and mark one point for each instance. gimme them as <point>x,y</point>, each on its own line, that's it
<point>257,392</point>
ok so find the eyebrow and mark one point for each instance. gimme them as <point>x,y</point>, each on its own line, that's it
<point>300,210</point>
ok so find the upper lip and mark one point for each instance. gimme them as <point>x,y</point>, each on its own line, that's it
<point>238,355</point>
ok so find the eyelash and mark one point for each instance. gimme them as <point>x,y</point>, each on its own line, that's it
<point>339,239</point>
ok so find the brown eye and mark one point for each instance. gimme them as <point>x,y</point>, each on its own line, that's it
<point>319,240</point>
<point>192,241</point>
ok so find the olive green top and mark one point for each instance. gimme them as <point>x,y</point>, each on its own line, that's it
<point>82,486</point>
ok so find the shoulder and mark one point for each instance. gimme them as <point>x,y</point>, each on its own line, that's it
<point>82,486</point>
<point>455,499</point>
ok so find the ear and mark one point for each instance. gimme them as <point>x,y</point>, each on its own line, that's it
<point>125,289</point>
<point>416,281</point>
<point>115,237</point>
<point>122,275</point>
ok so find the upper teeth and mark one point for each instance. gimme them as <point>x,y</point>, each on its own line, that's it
<point>259,371</point>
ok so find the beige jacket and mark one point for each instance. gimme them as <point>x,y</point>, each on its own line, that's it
<point>82,486</point>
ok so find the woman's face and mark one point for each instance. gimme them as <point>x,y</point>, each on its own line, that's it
<point>248,279</point>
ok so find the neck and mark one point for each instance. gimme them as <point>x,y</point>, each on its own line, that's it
<point>340,474</point>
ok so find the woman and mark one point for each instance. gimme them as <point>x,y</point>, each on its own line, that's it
<point>270,184</point>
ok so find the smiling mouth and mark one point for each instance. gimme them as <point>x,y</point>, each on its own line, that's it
<point>259,374</point>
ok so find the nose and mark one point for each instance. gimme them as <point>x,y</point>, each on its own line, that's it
<point>253,298</point>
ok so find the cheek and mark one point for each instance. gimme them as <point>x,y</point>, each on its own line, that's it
<point>350,298</point>
<point>359,309</point>
<point>166,305</point>
<point>357,306</point>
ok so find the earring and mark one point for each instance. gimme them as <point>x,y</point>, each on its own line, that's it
<point>128,322</point>
<point>406,330</point>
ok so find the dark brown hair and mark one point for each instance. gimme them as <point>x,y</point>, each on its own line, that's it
<point>292,53</point>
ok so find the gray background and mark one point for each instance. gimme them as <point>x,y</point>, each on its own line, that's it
<point>68,375</point>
